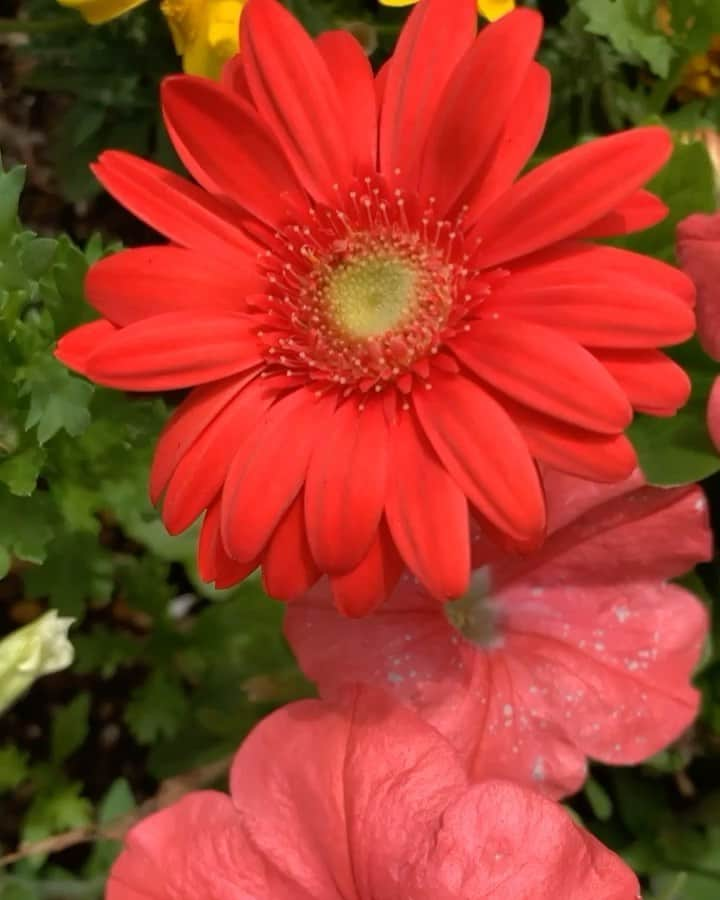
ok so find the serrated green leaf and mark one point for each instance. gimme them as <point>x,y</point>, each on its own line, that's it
<point>631,27</point>
<point>26,524</point>
<point>75,569</point>
<point>69,727</point>
<point>104,650</point>
<point>20,472</point>
<point>58,807</point>
<point>58,400</point>
<point>156,709</point>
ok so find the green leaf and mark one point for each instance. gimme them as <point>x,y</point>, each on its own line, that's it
<point>14,767</point>
<point>58,807</point>
<point>11,185</point>
<point>58,400</point>
<point>687,185</point>
<point>631,27</point>
<point>75,569</point>
<point>37,255</point>
<point>599,799</point>
<point>117,802</point>
<point>678,449</point>
<point>70,727</point>
<point>104,651</point>
<point>26,524</point>
<point>20,472</point>
<point>157,709</point>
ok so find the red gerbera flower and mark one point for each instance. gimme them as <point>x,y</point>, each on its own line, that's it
<point>579,650</point>
<point>362,802</point>
<point>384,330</point>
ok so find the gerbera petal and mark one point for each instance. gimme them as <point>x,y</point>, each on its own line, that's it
<point>234,79</point>
<point>268,471</point>
<point>346,484</point>
<point>485,453</point>
<point>458,144</point>
<point>174,350</point>
<point>588,307</point>
<point>214,564</point>
<point>148,281</point>
<point>296,97</point>
<point>185,426</point>
<point>433,41</point>
<point>175,207</point>
<point>561,197</point>
<point>653,383</point>
<point>352,75</point>
<point>547,372</point>
<point>222,142</point>
<point>201,473</point>
<point>639,211</point>
<point>598,457</point>
<point>74,348</point>
<point>288,567</point>
<point>518,140</point>
<point>360,591</point>
<point>427,513</point>
<point>575,263</point>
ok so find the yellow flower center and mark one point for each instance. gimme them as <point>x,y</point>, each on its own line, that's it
<point>372,295</point>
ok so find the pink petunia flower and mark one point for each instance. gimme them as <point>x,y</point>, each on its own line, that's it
<point>698,249</point>
<point>384,324</point>
<point>580,650</point>
<point>363,802</point>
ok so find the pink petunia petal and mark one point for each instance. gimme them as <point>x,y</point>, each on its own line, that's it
<point>698,248</point>
<point>579,650</point>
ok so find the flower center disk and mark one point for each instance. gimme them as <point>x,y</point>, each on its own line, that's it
<point>369,296</point>
<point>365,294</point>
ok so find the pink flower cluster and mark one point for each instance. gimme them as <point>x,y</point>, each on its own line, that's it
<point>380,460</point>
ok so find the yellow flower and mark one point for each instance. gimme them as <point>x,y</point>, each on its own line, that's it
<point>491,9</point>
<point>701,76</point>
<point>205,32</point>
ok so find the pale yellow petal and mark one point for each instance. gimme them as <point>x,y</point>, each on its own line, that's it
<point>98,11</point>
<point>37,649</point>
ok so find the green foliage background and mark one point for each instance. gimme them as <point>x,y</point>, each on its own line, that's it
<point>170,674</point>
